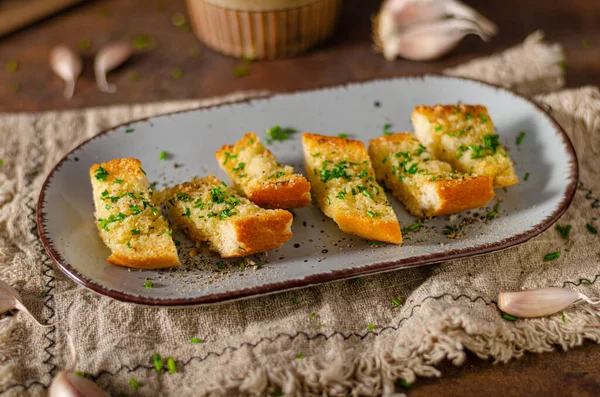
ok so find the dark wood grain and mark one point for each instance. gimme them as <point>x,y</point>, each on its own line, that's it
<point>347,57</point>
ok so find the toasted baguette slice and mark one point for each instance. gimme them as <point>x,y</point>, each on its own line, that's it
<point>256,174</point>
<point>427,187</point>
<point>463,136</point>
<point>344,186</point>
<point>128,216</point>
<point>207,210</point>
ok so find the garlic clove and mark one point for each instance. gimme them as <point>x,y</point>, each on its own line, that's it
<point>538,302</point>
<point>428,40</point>
<point>10,299</point>
<point>68,384</point>
<point>460,10</point>
<point>66,63</point>
<point>108,58</point>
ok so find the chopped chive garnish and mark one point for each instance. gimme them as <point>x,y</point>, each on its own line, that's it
<point>552,256</point>
<point>371,326</point>
<point>412,227</point>
<point>295,301</point>
<point>586,282</point>
<point>119,181</point>
<point>316,154</point>
<point>158,365</point>
<point>134,383</point>
<point>107,207</point>
<point>520,137</point>
<point>277,133</point>
<point>374,243</point>
<point>229,156</point>
<point>483,118</point>
<point>438,128</point>
<point>186,213</point>
<point>1,162</point>
<point>404,384</point>
<point>299,356</point>
<point>135,231</point>
<point>171,365</point>
<point>195,340</point>
<point>564,318</point>
<point>508,317</point>
<point>101,174</point>
<point>468,116</point>
<point>129,130</point>
<point>526,177</point>
<point>591,228</point>
<point>373,214</point>
<point>343,135</point>
<point>564,230</point>
<point>397,302</point>
<point>386,129</point>
<point>148,284</point>
<point>328,200</point>
<point>105,193</point>
<point>144,172</point>
<point>494,213</point>
<point>163,155</point>
<point>240,166</point>
<point>312,315</point>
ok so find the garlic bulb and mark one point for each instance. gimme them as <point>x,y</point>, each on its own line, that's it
<point>10,299</point>
<point>540,302</point>
<point>108,58</point>
<point>66,63</point>
<point>426,29</point>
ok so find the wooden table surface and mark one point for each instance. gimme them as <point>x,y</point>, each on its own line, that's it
<point>347,57</point>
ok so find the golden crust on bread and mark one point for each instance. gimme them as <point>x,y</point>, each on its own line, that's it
<point>463,135</point>
<point>129,218</point>
<point>207,210</point>
<point>426,186</point>
<point>257,175</point>
<point>345,188</point>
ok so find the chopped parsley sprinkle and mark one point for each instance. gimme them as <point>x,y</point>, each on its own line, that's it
<point>226,213</point>
<point>412,227</point>
<point>163,155</point>
<point>158,364</point>
<point>491,142</point>
<point>186,213</point>
<point>483,118</point>
<point>371,326</point>
<point>229,156</point>
<point>468,116</point>
<point>217,195</point>
<point>105,193</point>
<point>195,340</point>
<point>224,184</point>
<point>134,232</point>
<point>508,317</point>
<point>526,177</point>
<point>277,133</point>
<point>552,256</point>
<point>118,181</point>
<point>438,128</point>
<point>342,194</point>
<point>170,201</point>
<point>198,203</point>
<point>343,135</point>
<point>564,230</point>
<point>239,167</point>
<point>211,215</point>
<point>461,149</point>
<point>279,174</point>
<point>397,302</point>
<point>101,174</point>
<point>591,228</point>
<point>373,214</point>
<point>134,383</point>
<point>386,129</point>
<point>171,365</point>
<point>129,130</point>
<point>520,137</point>
<point>107,207</point>
<point>144,172</point>
<point>183,197</point>
<point>494,213</point>
<point>299,356</point>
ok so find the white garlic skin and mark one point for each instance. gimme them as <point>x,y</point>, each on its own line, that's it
<point>67,384</point>
<point>67,64</point>
<point>108,58</point>
<point>537,302</point>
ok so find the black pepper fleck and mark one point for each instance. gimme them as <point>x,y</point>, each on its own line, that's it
<point>324,251</point>
<point>376,104</point>
<point>296,245</point>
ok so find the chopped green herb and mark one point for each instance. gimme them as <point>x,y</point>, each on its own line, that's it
<point>148,284</point>
<point>171,365</point>
<point>404,384</point>
<point>494,213</point>
<point>107,207</point>
<point>277,133</point>
<point>12,65</point>
<point>299,356</point>
<point>84,44</point>
<point>224,184</point>
<point>220,265</point>
<point>177,73</point>
<point>491,142</point>
<point>526,177</point>
<point>195,340</point>
<point>129,130</point>
<point>450,230</point>
<point>163,155</point>
<point>101,174</point>
<point>241,71</point>
<point>564,230</point>
<point>312,315</point>
<point>461,132</point>
<point>483,118</point>
<point>586,282</point>
<point>328,200</point>
<point>520,137</point>
<point>371,326</point>
<point>591,228</point>
<point>295,301</point>
<point>552,256</point>
<point>179,20</point>
<point>343,135</point>
<point>169,232</point>
<point>134,383</point>
<point>143,172</point>
<point>239,167</point>
<point>342,194</point>
<point>564,318</point>
<point>439,128</point>
<point>105,193</point>
<point>316,155</point>
<point>135,231</point>
<point>374,243</point>
<point>508,317</point>
<point>373,214</point>
<point>183,197</point>
<point>412,227</point>
<point>226,213</point>
<point>43,293</point>
<point>118,181</point>
<point>158,364</point>
<point>397,302</point>
<point>386,129</point>
<point>468,116</point>
<point>144,42</point>
<point>1,162</point>
<point>229,156</point>
<point>211,215</point>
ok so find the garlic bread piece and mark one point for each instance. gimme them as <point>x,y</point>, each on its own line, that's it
<point>207,210</point>
<point>129,218</point>
<point>463,135</point>
<point>427,187</point>
<point>256,174</point>
<point>344,186</point>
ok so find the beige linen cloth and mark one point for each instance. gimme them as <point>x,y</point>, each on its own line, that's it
<point>273,345</point>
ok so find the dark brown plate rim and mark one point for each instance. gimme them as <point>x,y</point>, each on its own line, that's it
<point>321,277</point>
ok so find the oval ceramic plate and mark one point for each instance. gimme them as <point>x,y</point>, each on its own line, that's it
<point>318,251</point>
